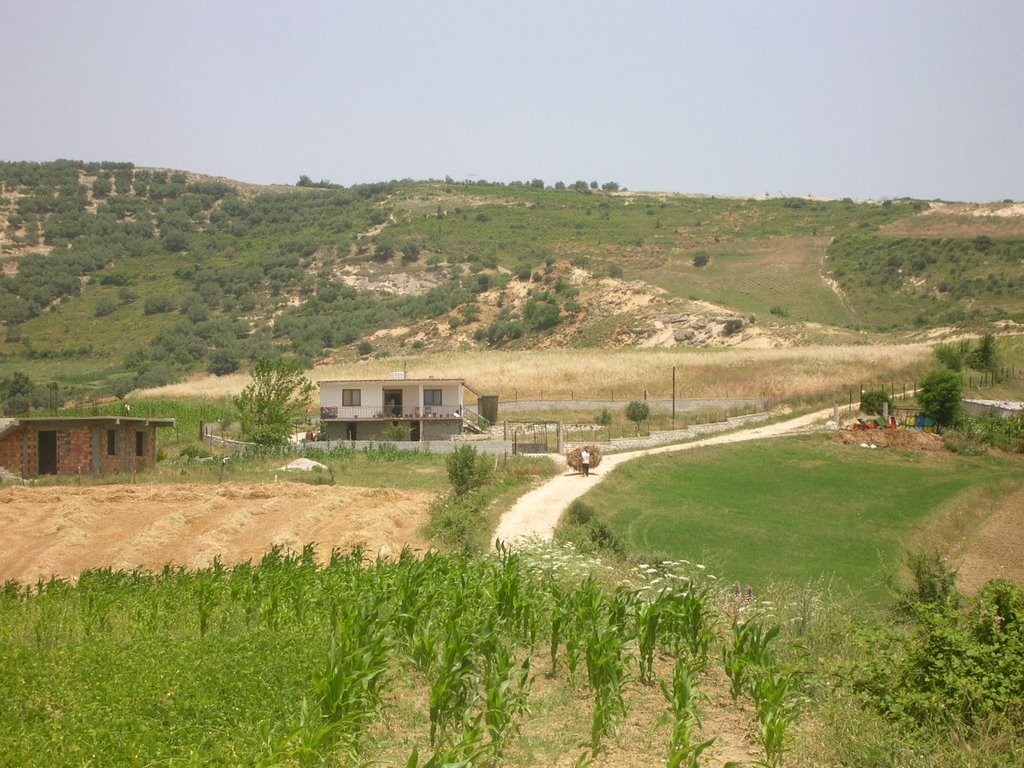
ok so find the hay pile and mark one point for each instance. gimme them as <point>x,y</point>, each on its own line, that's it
<point>572,458</point>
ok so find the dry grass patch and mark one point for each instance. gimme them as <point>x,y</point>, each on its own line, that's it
<point>790,374</point>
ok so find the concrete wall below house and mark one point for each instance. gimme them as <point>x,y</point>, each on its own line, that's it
<point>442,429</point>
<point>429,429</point>
<point>489,447</point>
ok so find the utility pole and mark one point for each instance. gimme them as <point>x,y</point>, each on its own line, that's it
<point>673,397</point>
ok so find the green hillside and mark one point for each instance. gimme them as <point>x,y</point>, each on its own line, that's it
<point>115,276</point>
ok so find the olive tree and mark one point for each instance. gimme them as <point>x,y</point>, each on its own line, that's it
<point>638,412</point>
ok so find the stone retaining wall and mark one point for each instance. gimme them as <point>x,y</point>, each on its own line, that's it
<point>674,435</point>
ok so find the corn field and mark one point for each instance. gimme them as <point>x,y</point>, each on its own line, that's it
<point>417,661</point>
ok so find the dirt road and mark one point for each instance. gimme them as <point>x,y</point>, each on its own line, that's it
<point>536,513</point>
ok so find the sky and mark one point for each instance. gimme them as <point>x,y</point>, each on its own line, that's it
<point>870,99</point>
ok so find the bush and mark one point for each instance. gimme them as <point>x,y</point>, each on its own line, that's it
<point>940,395</point>
<point>701,259</point>
<point>732,326</point>
<point>397,433</point>
<point>194,451</point>
<point>934,580</point>
<point>949,356</point>
<point>456,521</point>
<point>159,303</point>
<point>107,305</point>
<point>952,670</point>
<point>468,470</point>
<point>588,533</point>
<point>875,401</point>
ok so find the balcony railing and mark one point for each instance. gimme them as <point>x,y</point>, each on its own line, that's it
<point>389,412</point>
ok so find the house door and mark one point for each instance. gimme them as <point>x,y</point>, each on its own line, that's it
<point>47,450</point>
<point>393,402</point>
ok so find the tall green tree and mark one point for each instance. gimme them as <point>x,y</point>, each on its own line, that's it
<point>278,392</point>
<point>15,392</point>
<point>638,412</point>
<point>940,395</point>
<point>984,357</point>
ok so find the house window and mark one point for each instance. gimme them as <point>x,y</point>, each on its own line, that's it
<point>432,397</point>
<point>140,443</point>
<point>111,442</point>
<point>351,397</point>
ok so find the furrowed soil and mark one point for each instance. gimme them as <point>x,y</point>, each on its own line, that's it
<point>63,530</point>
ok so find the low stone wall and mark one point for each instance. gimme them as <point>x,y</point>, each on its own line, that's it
<point>489,447</point>
<point>682,405</point>
<point>674,435</point>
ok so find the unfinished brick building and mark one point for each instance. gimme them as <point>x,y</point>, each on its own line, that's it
<point>78,445</point>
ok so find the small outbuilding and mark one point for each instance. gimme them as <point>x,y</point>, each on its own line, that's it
<point>1004,409</point>
<point>78,445</point>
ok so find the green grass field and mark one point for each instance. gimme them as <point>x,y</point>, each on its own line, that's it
<point>792,510</point>
<point>755,276</point>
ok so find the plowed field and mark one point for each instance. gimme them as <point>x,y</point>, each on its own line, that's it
<point>62,530</point>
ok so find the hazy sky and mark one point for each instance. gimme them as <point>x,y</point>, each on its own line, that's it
<point>860,99</point>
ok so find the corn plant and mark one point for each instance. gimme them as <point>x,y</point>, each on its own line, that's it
<point>648,620</point>
<point>749,650</point>
<point>690,622</point>
<point>606,673</point>
<point>683,699</point>
<point>463,754</point>
<point>424,645</point>
<point>454,687</point>
<point>309,742</point>
<point>559,615</point>
<point>506,695</point>
<point>776,712</point>
<point>349,688</point>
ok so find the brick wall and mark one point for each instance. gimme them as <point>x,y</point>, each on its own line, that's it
<point>10,452</point>
<point>19,451</point>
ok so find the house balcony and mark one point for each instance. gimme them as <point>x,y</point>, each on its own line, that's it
<point>388,412</point>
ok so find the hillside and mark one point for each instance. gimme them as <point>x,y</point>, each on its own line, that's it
<point>132,277</point>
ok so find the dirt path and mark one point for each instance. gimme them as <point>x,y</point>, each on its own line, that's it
<point>536,513</point>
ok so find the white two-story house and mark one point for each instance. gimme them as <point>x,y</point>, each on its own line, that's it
<point>366,409</point>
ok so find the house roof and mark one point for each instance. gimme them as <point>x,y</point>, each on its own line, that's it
<point>56,422</point>
<point>427,380</point>
<point>1006,405</point>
